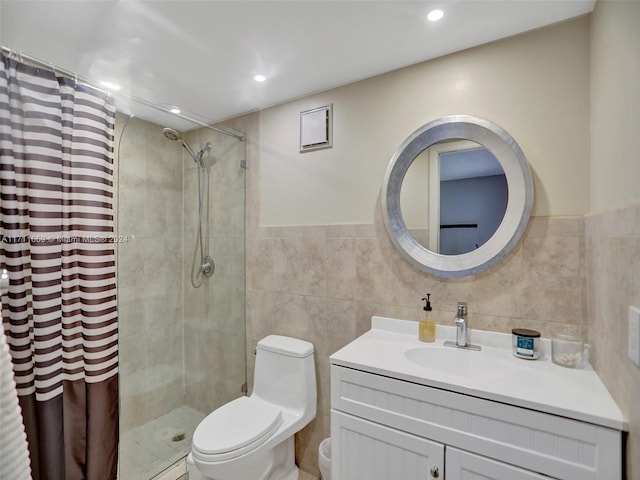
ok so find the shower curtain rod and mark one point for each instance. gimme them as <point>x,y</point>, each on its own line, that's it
<point>78,79</point>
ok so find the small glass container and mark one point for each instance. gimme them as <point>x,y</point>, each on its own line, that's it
<point>567,347</point>
<point>525,343</point>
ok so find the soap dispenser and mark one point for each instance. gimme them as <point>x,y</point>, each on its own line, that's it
<point>427,326</point>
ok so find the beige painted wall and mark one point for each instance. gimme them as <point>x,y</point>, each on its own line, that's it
<point>613,230</point>
<point>615,103</point>
<point>535,85</point>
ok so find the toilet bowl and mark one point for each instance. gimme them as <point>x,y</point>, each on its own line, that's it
<point>252,438</point>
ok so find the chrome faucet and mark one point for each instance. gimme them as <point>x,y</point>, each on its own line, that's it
<point>461,329</point>
<point>461,324</point>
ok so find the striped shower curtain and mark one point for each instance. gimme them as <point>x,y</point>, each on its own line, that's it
<point>56,220</point>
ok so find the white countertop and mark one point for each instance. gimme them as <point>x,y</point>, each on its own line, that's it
<point>534,384</point>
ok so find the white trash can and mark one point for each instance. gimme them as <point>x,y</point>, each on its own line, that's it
<point>324,458</point>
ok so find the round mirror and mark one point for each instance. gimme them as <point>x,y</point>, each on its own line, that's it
<point>457,196</point>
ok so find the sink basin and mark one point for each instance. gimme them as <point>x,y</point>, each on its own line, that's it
<point>460,362</point>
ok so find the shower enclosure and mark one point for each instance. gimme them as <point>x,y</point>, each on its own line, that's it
<point>181,286</point>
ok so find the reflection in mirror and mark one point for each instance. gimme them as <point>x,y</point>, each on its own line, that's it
<point>454,197</point>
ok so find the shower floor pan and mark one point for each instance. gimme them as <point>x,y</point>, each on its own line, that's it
<point>147,450</point>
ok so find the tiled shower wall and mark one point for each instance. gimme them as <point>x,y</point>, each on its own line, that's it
<point>613,269</point>
<point>323,283</point>
<point>149,214</point>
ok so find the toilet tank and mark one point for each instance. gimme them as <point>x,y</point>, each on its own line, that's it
<point>285,373</point>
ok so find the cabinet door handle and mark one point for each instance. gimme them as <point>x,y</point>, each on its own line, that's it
<point>435,472</point>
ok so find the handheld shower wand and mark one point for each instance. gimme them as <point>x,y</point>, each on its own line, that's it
<point>206,266</point>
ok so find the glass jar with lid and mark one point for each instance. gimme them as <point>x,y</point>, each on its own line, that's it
<point>567,347</point>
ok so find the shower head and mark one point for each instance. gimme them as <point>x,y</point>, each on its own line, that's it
<point>173,135</point>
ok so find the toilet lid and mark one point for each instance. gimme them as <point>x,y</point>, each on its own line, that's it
<point>242,424</point>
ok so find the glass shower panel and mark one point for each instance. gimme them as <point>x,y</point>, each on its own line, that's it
<point>182,349</point>
<point>214,314</point>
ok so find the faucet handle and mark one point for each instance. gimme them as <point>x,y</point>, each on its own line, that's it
<point>462,329</point>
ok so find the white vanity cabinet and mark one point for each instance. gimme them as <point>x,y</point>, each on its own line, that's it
<point>403,410</point>
<point>384,428</point>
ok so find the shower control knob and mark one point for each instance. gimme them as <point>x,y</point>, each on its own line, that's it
<point>207,267</point>
<point>435,472</point>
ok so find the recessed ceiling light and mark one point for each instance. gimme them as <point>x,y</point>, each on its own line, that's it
<point>175,110</point>
<point>259,78</point>
<point>435,15</point>
<point>110,86</point>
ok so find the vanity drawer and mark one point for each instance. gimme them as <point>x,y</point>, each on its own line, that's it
<point>556,446</point>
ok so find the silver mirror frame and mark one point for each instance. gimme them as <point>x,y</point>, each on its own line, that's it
<point>520,202</point>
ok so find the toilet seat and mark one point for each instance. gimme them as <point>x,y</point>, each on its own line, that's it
<point>235,428</point>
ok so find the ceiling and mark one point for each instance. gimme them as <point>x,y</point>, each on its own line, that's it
<point>202,55</point>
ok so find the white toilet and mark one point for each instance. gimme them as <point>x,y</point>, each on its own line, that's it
<point>252,438</point>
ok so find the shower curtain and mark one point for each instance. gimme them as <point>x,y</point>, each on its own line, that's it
<point>56,220</point>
